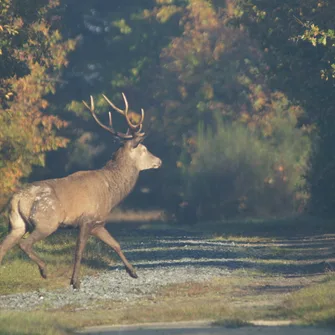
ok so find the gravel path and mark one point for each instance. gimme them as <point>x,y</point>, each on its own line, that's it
<point>161,258</point>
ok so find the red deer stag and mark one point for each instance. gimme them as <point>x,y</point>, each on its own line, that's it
<point>83,199</point>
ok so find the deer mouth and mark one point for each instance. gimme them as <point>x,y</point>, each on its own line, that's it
<point>157,165</point>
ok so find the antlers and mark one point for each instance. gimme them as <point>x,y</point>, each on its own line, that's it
<point>134,130</point>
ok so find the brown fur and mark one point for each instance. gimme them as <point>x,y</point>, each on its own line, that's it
<point>82,199</point>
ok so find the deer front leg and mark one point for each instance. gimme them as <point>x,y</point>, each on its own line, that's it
<point>102,233</point>
<point>84,231</point>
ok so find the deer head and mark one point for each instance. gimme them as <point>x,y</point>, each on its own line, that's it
<point>132,147</point>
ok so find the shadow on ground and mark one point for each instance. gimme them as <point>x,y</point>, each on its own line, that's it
<point>207,330</point>
<point>292,248</point>
<point>273,247</point>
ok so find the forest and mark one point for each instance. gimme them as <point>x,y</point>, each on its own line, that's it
<point>238,95</point>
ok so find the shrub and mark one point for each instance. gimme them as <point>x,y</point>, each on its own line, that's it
<point>237,172</point>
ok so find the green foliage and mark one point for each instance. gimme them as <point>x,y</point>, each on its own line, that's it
<point>216,69</point>
<point>297,38</point>
<point>254,63</point>
<point>324,38</point>
<point>118,51</point>
<point>236,172</point>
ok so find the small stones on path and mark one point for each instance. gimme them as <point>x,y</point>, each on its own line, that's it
<point>159,261</point>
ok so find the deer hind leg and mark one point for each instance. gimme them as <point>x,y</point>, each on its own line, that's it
<point>27,246</point>
<point>102,233</point>
<point>17,230</point>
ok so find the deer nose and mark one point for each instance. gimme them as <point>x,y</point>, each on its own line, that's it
<point>158,163</point>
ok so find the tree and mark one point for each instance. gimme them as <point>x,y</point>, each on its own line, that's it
<point>215,69</point>
<point>119,44</point>
<point>298,40</point>
<point>32,57</point>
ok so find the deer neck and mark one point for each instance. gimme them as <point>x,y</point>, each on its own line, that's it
<point>121,176</point>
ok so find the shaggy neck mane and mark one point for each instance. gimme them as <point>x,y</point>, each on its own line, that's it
<point>121,173</point>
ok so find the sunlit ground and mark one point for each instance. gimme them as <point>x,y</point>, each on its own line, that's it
<point>280,270</point>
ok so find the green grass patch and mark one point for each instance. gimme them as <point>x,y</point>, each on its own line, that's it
<point>37,323</point>
<point>223,299</point>
<point>271,262</point>
<point>233,301</point>
<point>314,305</point>
<point>19,274</point>
<point>67,320</point>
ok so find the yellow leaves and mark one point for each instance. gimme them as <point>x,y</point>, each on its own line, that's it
<point>218,50</point>
<point>244,117</point>
<point>56,36</point>
<point>230,8</point>
<point>179,164</point>
<point>146,13</point>
<point>10,175</point>
<point>201,18</point>
<point>183,91</point>
<point>165,13</point>
<point>41,28</point>
<point>134,71</point>
<point>26,132</point>
<point>208,91</point>
<point>134,117</point>
<point>76,107</point>
<point>164,2</point>
<point>259,103</point>
<point>122,26</point>
<point>9,95</point>
<point>18,24</point>
<point>25,129</point>
<point>44,104</point>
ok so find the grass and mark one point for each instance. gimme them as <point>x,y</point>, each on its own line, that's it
<point>19,274</point>
<point>232,301</point>
<point>277,272</point>
<point>183,302</point>
<point>37,323</point>
<point>314,305</point>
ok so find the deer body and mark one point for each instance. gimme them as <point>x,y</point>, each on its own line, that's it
<point>84,195</point>
<point>83,199</point>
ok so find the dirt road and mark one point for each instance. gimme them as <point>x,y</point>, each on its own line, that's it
<point>203,328</point>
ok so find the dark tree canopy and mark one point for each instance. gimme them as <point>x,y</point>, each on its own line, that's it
<point>238,94</point>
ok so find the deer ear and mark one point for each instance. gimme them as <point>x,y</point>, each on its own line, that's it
<point>136,141</point>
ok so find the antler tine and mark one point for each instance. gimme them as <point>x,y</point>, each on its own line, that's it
<point>125,102</point>
<point>133,127</point>
<point>130,124</point>
<point>110,119</point>
<point>111,130</point>
<point>140,124</point>
<point>116,108</point>
<point>142,116</point>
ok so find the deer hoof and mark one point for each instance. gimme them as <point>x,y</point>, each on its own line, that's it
<point>75,284</point>
<point>43,272</point>
<point>132,273</point>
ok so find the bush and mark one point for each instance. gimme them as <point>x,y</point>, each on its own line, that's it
<point>235,172</point>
